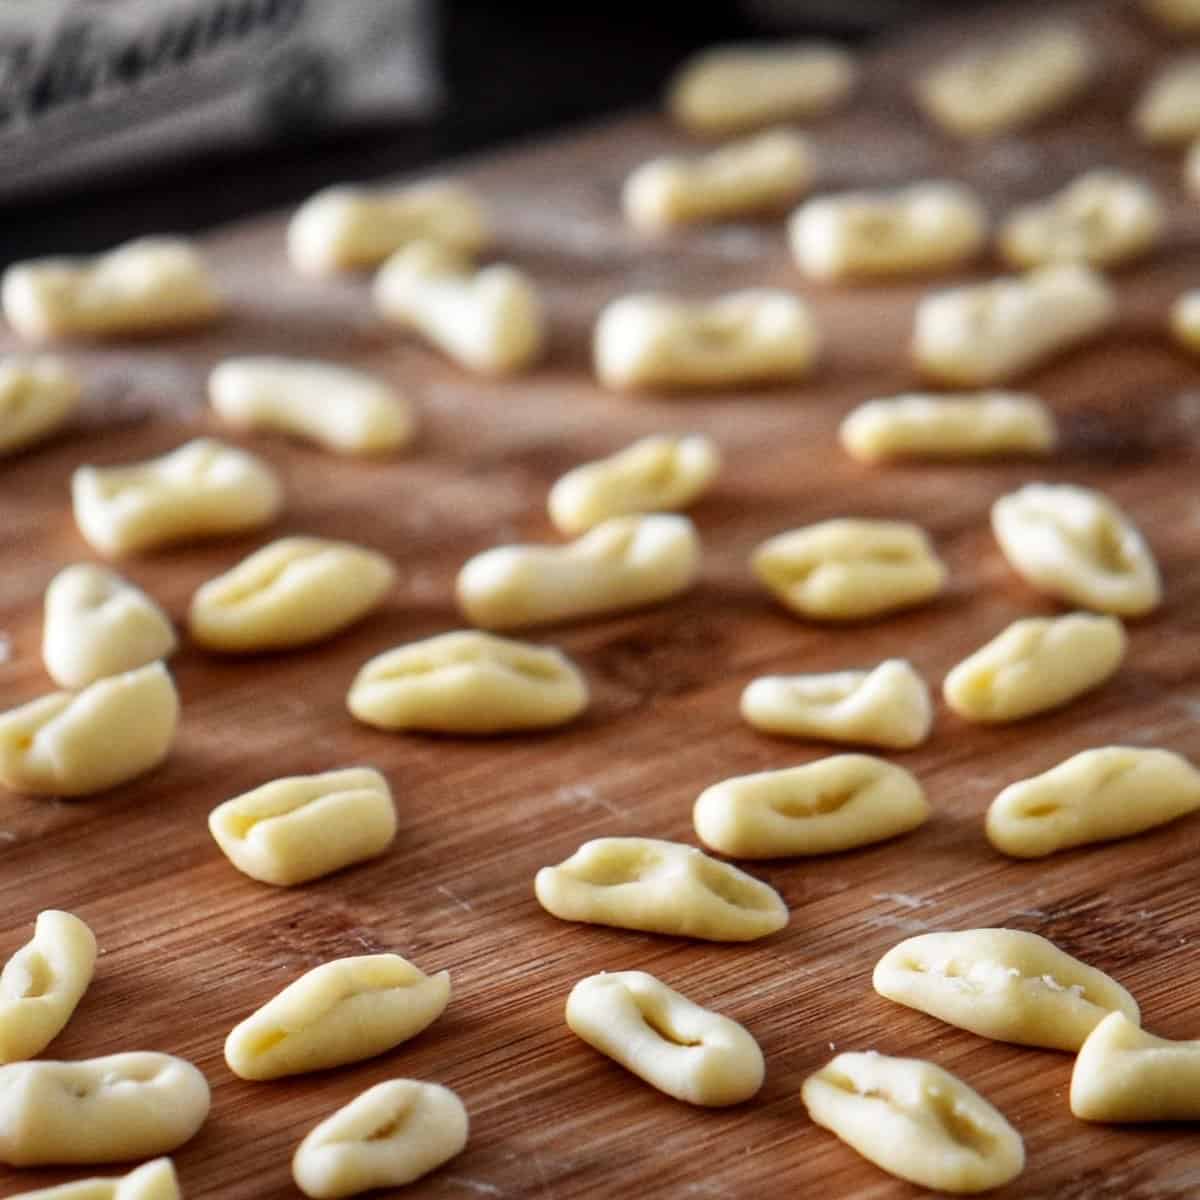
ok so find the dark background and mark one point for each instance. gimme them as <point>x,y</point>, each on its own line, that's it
<point>511,70</point>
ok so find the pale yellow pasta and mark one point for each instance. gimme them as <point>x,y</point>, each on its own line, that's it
<point>887,706</point>
<point>1185,320</point>
<point>390,1135</point>
<point>1178,16</point>
<point>915,1121</point>
<point>686,1051</point>
<point>847,569</point>
<point>823,807</point>
<point>651,341</point>
<point>347,411</point>
<point>491,321</point>
<point>983,334</point>
<point>659,887</point>
<point>154,1181</point>
<point>960,426</point>
<point>38,396</point>
<point>150,285</point>
<point>347,228</point>
<point>1076,544</point>
<point>202,489</point>
<point>731,88</point>
<point>1168,111</point>
<point>340,1012</point>
<point>292,592</point>
<point>1007,84</point>
<point>1034,665</point>
<point>1103,217</point>
<point>925,227</point>
<point>1004,984</point>
<point>1124,1074</point>
<point>292,830</point>
<point>42,984</point>
<point>99,1110</point>
<point>73,744</point>
<point>98,624</point>
<point>1094,796</point>
<point>468,682</point>
<point>747,176</point>
<point>659,473</point>
<point>623,563</point>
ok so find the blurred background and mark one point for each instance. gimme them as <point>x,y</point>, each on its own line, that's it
<point>119,117</point>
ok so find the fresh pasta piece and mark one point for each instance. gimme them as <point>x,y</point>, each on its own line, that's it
<point>1185,320</point>
<point>99,1110</point>
<point>292,830</point>
<point>1004,984</point>
<point>732,88</point>
<point>1168,111</point>
<point>1000,87</point>
<point>154,1181</point>
<point>823,807</point>
<point>74,744</point>
<point>1095,796</point>
<point>98,624</point>
<point>340,1012</point>
<point>846,569</point>
<point>150,285</point>
<point>757,173</point>
<point>887,706</point>
<point>491,321</point>
<point>202,489</point>
<point>38,396</point>
<point>1124,1074</point>
<point>660,473</point>
<point>967,425</point>
<point>922,228</point>
<point>1036,664</point>
<point>915,1121</point>
<point>686,1051</point>
<point>1177,16</point>
<point>985,334</point>
<point>346,411</point>
<point>42,984</point>
<point>1076,544</point>
<point>648,341</point>
<point>292,592</point>
<point>659,887</point>
<point>392,1134</point>
<point>468,682</point>
<point>1103,218</point>
<point>347,228</point>
<point>623,563</point>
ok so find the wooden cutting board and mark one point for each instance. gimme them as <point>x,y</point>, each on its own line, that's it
<point>190,946</point>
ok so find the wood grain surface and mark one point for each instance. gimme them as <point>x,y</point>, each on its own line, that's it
<point>190,946</point>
